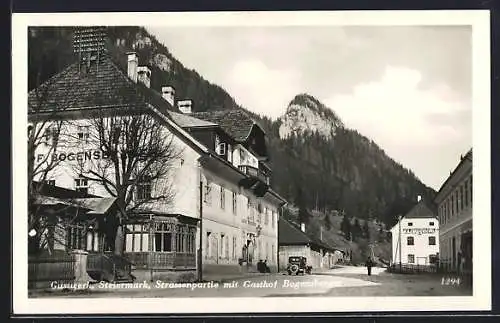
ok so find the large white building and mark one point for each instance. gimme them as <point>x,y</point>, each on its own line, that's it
<point>415,238</point>
<point>219,173</point>
<point>454,201</point>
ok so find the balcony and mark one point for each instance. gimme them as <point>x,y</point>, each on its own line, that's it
<point>255,173</point>
<point>255,180</point>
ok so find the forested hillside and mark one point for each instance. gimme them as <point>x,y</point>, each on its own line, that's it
<point>344,171</point>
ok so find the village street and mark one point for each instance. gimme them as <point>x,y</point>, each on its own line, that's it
<point>342,281</point>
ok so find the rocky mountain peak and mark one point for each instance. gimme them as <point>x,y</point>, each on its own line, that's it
<point>305,113</point>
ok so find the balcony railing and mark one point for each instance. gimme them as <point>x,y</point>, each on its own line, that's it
<point>254,172</point>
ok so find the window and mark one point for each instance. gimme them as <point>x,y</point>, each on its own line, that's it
<point>273,223</point>
<point>92,240</point>
<point>471,191</point>
<point>461,197</point>
<point>82,185</point>
<point>235,205</point>
<point>452,205</point>
<point>83,134</point>
<point>432,241</point>
<point>411,259</point>
<point>431,224</point>
<point>466,192</point>
<point>410,224</point>
<point>51,182</point>
<point>234,248</point>
<point>229,153</point>
<point>208,252</point>
<point>75,237</point>
<point>456,201</point>
<point>222,198</point>
<point>137,237</point>
<point>266,216</point>
<point>250,211</point>
<point>163,237</point>
<point>143,189</point>
<point>226,247</point>
<point>185,239</point>
<point>208,194</point>
<point>51,136</point>
<point>410,241</point>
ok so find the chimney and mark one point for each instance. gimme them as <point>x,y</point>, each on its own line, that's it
<point>144,75</point>
<point>185,106</point>
<point>419,198</point>
<point>132,62</point>
<point>168,93</point>
<point>303,227</point>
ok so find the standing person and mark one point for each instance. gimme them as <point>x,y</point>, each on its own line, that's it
<point>369,265</point>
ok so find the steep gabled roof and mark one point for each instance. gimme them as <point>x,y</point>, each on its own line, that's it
<point>422,209</point>
<point>187,121</point>
<point>235,122</point>
<point>289,234</point>
<point>103,85</point>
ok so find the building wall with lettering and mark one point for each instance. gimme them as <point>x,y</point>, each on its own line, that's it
<point>78,152</point>
<point>415,241</point>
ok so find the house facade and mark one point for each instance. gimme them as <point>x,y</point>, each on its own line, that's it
<point>415,238</point>
<point>294,241</point>
<point>454,201</point>
<point>209,174</point>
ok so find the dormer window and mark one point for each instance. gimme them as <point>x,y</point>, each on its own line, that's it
<point>220,149</point>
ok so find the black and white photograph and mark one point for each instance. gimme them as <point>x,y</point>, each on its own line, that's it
<point>251,162</point>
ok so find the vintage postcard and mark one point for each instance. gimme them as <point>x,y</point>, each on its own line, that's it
<point>251,162</point>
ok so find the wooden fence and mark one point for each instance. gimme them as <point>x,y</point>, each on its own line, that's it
<point>46,269</point>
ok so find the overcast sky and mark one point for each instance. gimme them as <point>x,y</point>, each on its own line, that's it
<point>407,88</point>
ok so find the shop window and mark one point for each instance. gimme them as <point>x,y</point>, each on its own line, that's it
<point>411,259</point>
<point>410,241</point>
<point>82,185</point>
<point>432,241</point>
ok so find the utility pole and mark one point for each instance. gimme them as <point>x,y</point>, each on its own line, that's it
<point>400,259</point>
<point>200,253</point>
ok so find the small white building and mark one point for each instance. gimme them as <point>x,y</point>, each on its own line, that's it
<point>415,238</point>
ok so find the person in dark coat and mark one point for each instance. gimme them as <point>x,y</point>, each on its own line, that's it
<point>369,265</point>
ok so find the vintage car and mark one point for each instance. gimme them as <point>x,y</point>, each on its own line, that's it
<point>298,265</point>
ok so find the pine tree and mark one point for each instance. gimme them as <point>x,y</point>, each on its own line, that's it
<point>356,230</point>
<point>327,222</point>
<point>345,226</point>
<point>366,230</point>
